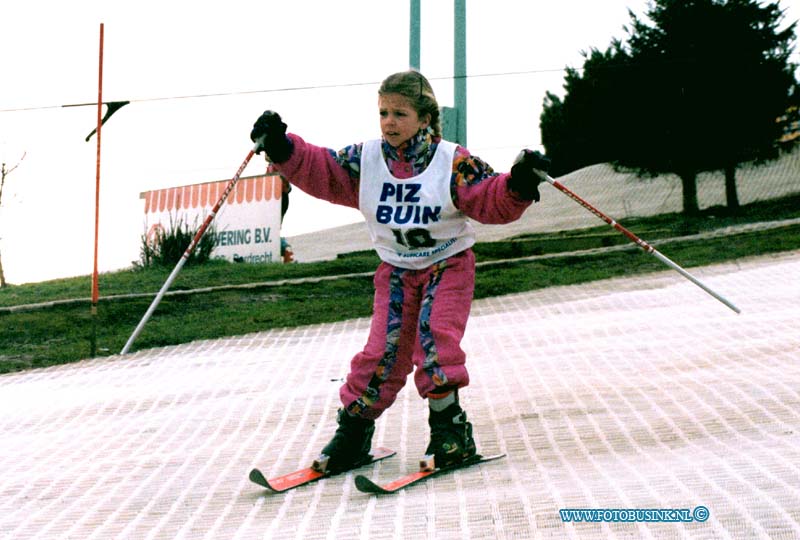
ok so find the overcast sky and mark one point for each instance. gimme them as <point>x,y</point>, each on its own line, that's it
<point>318,63</point>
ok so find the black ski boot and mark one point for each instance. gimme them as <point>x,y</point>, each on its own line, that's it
<point>349,446</point>
<point>451,436</point>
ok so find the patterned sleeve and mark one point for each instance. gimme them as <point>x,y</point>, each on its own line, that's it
<point>468,170</point>
<point>349,158</point>
<point>323,172</point>
<point>481,193</point>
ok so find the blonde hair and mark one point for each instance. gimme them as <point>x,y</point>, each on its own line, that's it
<point>415,87</point>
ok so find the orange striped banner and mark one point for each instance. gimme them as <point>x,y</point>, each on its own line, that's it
<point>250,189</point>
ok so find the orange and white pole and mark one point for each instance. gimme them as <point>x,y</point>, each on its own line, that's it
<point>192,245</point>
<point>639,242</point>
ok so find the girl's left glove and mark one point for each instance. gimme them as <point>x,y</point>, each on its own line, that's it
<point>528,171</point>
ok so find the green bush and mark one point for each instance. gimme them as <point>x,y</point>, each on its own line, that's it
<point>165,247</point>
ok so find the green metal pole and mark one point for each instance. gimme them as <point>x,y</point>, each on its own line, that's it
<point>414,36</point>
<point>460,68</point>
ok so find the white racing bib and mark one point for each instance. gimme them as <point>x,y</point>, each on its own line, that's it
<point>413,222</point>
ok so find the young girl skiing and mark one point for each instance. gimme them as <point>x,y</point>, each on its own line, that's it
<point>416,192</point>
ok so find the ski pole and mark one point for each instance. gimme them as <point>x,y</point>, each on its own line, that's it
<point>639,242</point>
<point>190,249</point>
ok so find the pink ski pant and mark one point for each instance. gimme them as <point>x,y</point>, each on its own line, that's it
<point>418,321</point>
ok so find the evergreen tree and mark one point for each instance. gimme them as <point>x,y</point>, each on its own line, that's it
<point>698,89</point>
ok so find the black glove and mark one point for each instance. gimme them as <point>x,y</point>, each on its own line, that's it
<point>528,171</point>
<point>270,131</point>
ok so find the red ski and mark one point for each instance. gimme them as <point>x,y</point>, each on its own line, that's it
<point>426,471</point>
<point>311,474</point>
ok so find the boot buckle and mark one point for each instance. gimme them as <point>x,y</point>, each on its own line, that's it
<point>321,463</point>
<point>427,463</point>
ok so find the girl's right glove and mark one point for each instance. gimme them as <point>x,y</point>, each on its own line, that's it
<point>528,171</point>
<point>270,131</point>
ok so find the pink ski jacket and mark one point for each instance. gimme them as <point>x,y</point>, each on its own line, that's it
<point>476,190</point>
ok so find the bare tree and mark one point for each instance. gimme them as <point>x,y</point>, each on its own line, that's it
<point>4,172</point>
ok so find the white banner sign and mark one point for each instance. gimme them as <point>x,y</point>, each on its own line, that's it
<point>246,229</point>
